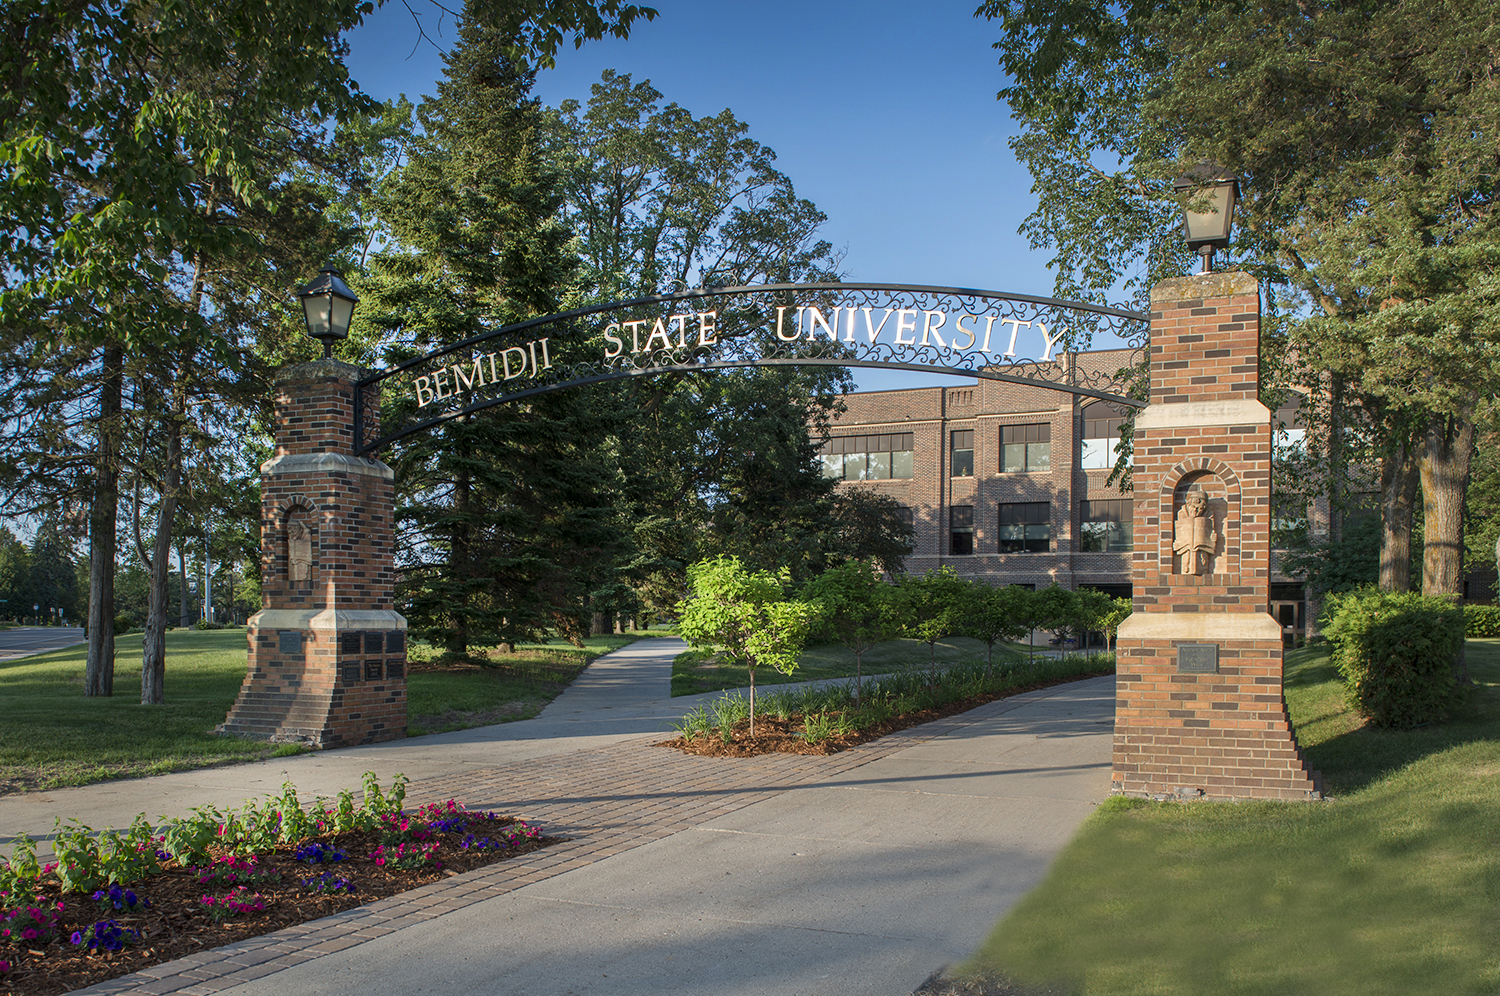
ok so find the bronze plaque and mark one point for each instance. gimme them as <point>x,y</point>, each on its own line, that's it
<point>1197,658</point>
<point>289,642</point>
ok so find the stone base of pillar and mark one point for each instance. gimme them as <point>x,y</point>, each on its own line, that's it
<point>1200,714</point>
<point>329,678</point>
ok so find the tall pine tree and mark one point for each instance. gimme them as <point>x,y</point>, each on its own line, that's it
<point>501,520</point>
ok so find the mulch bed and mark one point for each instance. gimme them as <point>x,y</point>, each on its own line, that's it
<point>177,923</point>
<point>781,736</point>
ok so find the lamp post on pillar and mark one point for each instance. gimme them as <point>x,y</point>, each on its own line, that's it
<point>327,656</point>
<point>1207,230</point>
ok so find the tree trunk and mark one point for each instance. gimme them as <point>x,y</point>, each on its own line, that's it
<point>154,647</point>
<point>99,673</point>
<point>184,619</point>
<point>459,567</point>
<point>1398,503</point>
<point>1444,461</point>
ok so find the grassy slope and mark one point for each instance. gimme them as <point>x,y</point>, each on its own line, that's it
<point>51,735</point>
<point>693,672</point>
<point>1392,887</point>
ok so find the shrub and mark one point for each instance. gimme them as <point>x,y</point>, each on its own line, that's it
<point>1481,620</point>
<point>123,624</point>
<point>1395,651</point>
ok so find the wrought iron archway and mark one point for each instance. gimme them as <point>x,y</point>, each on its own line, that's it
<point>1015,338</point>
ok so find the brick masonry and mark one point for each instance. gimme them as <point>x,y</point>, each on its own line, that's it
<point>1200,711</point>
<point>327,661</point>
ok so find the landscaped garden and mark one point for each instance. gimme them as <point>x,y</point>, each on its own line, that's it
<point>51,735</point>
<point>1392,886</point>
<point>110,904</point>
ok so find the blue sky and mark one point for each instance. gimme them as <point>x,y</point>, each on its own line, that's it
<point>883,114</point>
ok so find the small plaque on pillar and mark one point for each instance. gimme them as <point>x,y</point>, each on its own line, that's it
<point>373,642</point>
<point>350,673</point>
<point>395,641</point>
<point>372,670</point>
<point>349,643</point>
<point>289,643</point>
<point>1197,658</point>
<point>395,669</point>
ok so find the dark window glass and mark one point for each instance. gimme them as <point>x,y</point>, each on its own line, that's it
<point>963,453</point>
<point>961,530</point>
<point>906,515</point>
<point>1026,527</point>
<point>1107,526</point>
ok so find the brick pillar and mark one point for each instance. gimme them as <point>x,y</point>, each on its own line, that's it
<point>1200,712</point>
<point>327,650</point>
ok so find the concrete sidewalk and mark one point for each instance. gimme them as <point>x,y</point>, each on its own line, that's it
<point>858,873</point>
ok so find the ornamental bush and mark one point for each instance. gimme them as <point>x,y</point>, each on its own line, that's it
<point>1481,620</point>
<point>1396,653</point>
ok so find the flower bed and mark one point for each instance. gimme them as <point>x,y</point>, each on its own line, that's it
<point>115,903</point>
<point>832,718</point>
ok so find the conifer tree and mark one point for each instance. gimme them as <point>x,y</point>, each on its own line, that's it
<point>502,522</point>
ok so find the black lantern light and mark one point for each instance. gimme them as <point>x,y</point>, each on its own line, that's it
<point>1208,230</point>
<point>328,304</point>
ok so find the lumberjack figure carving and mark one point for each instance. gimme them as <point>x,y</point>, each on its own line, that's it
<point>1194,539</point>
<point>298,550</point>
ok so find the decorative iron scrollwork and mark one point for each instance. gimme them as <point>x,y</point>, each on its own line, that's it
<point>983,334</point>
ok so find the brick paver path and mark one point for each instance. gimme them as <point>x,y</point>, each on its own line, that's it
<point>607,800</point>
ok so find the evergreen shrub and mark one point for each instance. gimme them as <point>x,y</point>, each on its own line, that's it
<point>1396,653</point>
<point>1481,620</point>
<point>123,624</point>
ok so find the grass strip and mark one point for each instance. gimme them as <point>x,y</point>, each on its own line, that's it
<point>1390,887</point>
<point>52,736</point>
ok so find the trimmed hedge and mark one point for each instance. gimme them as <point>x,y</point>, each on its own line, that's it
<point>1481,620</point>
<point>1396,653</point>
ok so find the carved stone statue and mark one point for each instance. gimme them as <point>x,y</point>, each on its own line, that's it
<point>1194,539</point>
<point>298,550</point>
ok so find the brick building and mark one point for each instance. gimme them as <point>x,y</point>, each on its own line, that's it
<point>1007,482</point>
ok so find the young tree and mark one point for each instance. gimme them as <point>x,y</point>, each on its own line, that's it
<point>996,613</point>
<point>933,605</point>
<point>856,607</point>
<point>1056,609</point>
<point>747,615</point>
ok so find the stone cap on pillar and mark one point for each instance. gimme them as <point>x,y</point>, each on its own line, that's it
<point>314,371</point>
<point>1201,286</point>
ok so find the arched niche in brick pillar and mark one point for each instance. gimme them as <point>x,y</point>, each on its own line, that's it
<point>1221,489</point>
<point>297,558</point>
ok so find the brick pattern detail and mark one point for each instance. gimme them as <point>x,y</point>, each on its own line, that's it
<point>1193,735</point>
<point>348,685</point>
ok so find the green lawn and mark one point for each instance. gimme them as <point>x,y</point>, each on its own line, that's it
<point>694,672</point>
<point>511,686</point>
<point>1391,887</point>
<point>51,735</point>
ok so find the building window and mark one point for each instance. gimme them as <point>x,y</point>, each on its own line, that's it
<point>962,460</point>
<point>1290,440</point>
<point>961,530</point>
<point>1025,448</point>
<point>907,515</point>
<point>1026,527</point>
<point>1107,526</point>
<point>868,458</point>
<point>1101,436</point>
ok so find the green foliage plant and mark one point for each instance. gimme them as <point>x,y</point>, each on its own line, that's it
<point>932,605</point>
<point>747,615</point>
<point>1396,652</point>
<point>856,607</point>
<point>1481,620</point>
<point>996,614</point>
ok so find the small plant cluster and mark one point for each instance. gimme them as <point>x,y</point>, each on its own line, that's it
<point>839,710</point>
<point>1396,652</point>
<point>1482,620</point>
<point>228,867</point>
